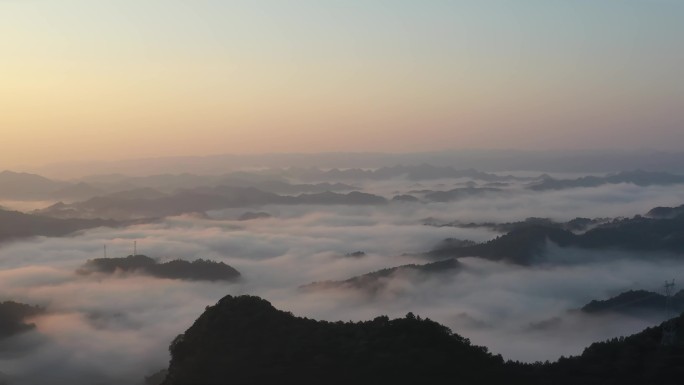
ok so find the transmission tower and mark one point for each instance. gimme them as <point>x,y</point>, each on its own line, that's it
<point>669,331</point>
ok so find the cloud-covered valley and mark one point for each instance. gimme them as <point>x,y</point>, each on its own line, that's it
<point>117,328</point>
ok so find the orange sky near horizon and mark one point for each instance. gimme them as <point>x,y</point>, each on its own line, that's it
<point>95,80</point>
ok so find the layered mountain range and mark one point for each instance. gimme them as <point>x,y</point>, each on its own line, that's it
<point>245,340</point>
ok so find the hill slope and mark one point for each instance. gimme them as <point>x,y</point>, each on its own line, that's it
<point>245,340</point>
<point>199,269</point>
<point>14,224</point>
<point>525,244</point>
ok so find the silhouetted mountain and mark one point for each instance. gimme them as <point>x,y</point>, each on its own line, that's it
<point>460,193</point>
<point>522,246</point>
<point>138,193</point>
<point>156,378</point>
<point>250,215</point>
<point>280,187</point>
<point>635,301</point>
<point>268,180</point>
<point>199,200</point>
<point>165,183</point>
<point>666,212</point>
<point>29,187</point>
<point>637,177</point>
<point>331,198</point>
<point>77,191</point>
<point>356,254</point>
<point>497,184</point>
<point>415,172</point>
<point>526,244</point>
<point>404,198</point>
<point>378,280</point>
<point>102,206</point>
<point>13,316</point>
<point>574,225</point>
<point>14,224</point>
<point>638,359</point>
<point>487,160</point>
<point>544,325</point>
<point>245,340</point>
<point>24,186</point>
<point>177,269</point>
<point>456,243</point>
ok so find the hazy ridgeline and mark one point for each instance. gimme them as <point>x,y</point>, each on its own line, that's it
<point>226,192</point>
<point>329,244</point>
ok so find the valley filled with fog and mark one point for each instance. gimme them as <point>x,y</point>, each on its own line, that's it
<point>341,192</point>
<point>306,240</point>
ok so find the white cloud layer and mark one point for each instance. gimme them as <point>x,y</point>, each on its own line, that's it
<point>117,329</point>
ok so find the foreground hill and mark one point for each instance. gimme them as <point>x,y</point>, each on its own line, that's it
<point>638,359</point>
<point>245,340</point>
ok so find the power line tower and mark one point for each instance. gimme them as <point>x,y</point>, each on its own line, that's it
<point>669,331</point>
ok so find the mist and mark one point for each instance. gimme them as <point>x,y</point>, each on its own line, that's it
<point>342,160</point>
<point>117,328</point>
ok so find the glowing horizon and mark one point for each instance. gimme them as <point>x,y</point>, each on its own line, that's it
<point>84,80</point>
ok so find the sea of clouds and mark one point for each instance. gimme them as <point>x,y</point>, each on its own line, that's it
<point>116,329</point>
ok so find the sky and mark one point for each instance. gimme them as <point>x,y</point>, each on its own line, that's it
<point>108,80</point>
